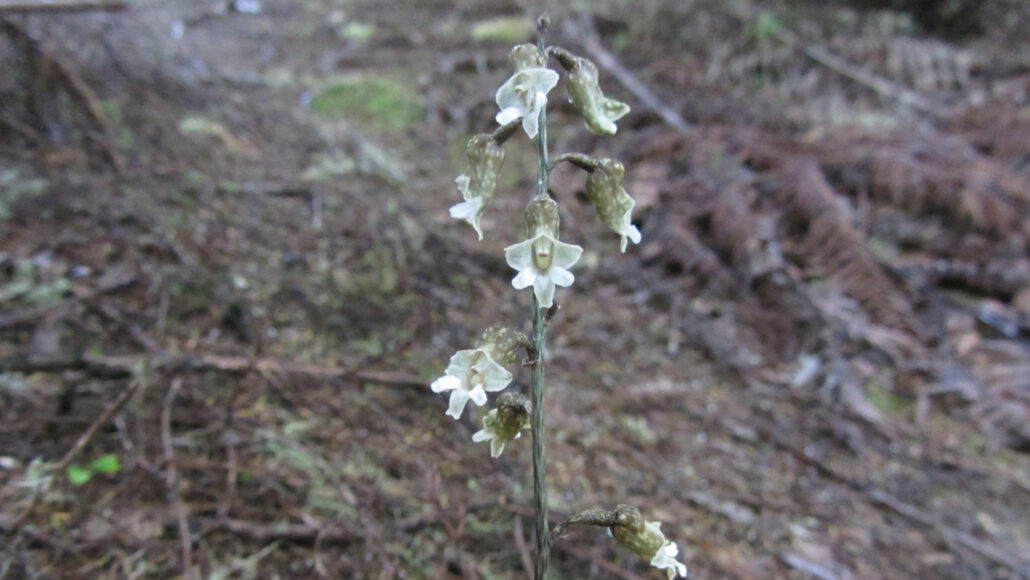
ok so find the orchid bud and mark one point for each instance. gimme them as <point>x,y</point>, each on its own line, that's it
<point>505,423</point>
<point>478,183</point>
<point>613,204</point>
<point>525,56</point>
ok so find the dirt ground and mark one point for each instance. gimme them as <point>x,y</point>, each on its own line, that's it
<point>228,276</point>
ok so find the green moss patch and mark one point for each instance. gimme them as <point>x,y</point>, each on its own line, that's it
<point>378,101</point>
<point>506,29</point>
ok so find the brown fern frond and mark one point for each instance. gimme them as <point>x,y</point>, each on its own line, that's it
<point>1003,367</point>
<point>968,190</point>
<point>1000,131</point>
<point>835,247</point>
<point>1002,278</point>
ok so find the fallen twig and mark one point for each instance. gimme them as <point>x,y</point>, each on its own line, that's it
<point>114,367</point>
<point>171,479</point>
<point>282,531</point>
<point>140,336</point>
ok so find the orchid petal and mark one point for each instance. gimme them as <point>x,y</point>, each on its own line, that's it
<point>459,398</point>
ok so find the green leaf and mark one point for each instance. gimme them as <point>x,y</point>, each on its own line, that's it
<point>79,475</point>
<point>107,464</point>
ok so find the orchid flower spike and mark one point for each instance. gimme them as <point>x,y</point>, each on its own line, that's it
<point>645,539</point>
<point>524,94</point>
<point>542,261</point>
<point>505,423</point>
<point>478,183</point>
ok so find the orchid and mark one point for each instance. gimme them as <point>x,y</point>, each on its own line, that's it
<point>469,376</point>
<point>614,206</point>
<point>479,181</point>
<point>524,95</point>
<point>646,540</point>
<point>543,263</point>
<point>599,112</point>
<point>505,423</point>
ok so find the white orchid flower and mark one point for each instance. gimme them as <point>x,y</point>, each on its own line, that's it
<point>543,263</point>
<point>469,376</point>
<point>524,95</point>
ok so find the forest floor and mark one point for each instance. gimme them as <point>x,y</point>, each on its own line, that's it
<point>228,275</point>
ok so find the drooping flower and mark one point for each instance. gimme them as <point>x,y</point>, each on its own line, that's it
<point>505,423</point>
<point>469,376</point>
<point>524,95</point>
<point>645,539</point>
<point>614,206</point>
<point>542,261</point>
<point>599,112</point>
<point>479,181</point>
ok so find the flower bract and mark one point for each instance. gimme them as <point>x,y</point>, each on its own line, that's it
<point>470,374</point>
<point>524,95</point>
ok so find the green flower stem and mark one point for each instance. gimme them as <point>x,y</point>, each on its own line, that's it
<point>543,531</point>
<point>543,540</point>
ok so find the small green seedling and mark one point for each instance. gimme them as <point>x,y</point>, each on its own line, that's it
<point>81,475</point>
